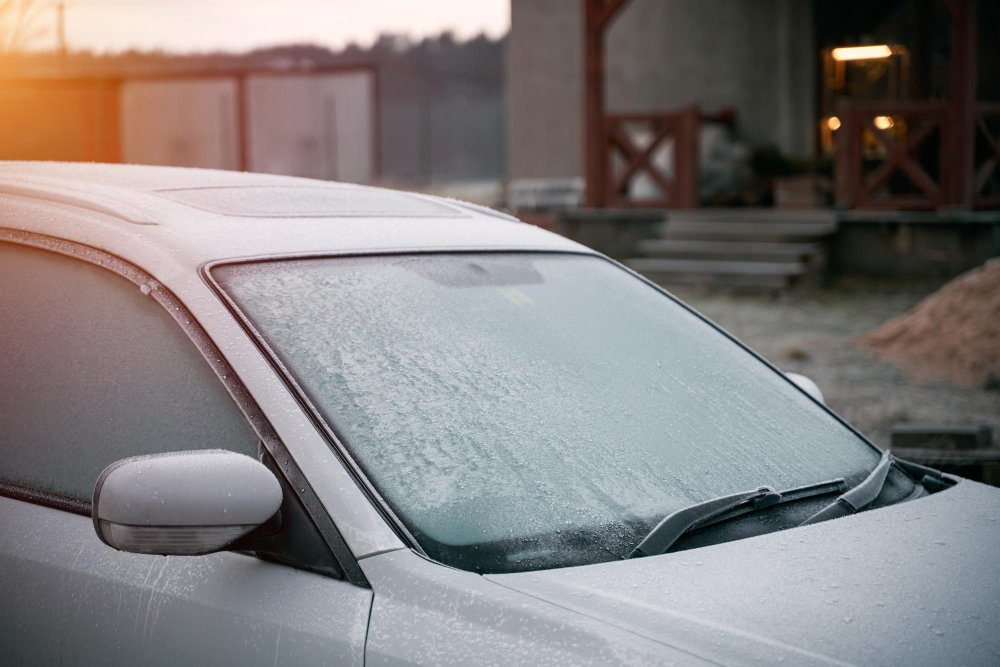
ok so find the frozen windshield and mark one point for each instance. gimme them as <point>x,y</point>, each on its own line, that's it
<point>520,411</point>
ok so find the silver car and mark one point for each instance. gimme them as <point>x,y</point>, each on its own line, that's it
<point>251,419</point>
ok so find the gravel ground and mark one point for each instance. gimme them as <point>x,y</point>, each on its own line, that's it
<point>814,333</point>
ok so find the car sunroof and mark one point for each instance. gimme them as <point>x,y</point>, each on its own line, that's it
<point>283,201</point>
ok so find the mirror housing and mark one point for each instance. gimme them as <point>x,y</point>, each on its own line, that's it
<point>184,503</point>
<point>807,385</point>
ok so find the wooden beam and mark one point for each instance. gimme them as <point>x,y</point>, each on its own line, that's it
<point>962,99</point>
<point>597,14</point>
<point>686,162</point>
<point>609,10</point>
<point>643,161</point>
<point>844,174</point>
<point>899,160</point>
<point>985,171</point>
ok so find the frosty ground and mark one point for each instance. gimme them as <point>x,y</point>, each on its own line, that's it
<point>815,333</point>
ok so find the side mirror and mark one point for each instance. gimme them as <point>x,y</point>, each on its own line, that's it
<point>807,385</point>
<point>183,503</point>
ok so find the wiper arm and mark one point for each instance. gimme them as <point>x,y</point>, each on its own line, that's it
<point>857,498</point>
<point>676,524</point>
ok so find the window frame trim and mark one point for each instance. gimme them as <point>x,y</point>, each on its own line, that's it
<point>45,498</point>
<point>225,374</point>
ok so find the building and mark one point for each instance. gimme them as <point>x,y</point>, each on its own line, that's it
<point>319,123</point>
<point>581,73</point>
<point>859,107</point>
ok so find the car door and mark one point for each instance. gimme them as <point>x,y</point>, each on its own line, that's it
<point>92,370</point>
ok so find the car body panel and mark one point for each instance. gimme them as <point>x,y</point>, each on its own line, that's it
<point>121,210</point>
<point>427,614</point>
<point>914,583</point>
<point>70,599</point>
<point>358,521</point>
<point>173,234</point>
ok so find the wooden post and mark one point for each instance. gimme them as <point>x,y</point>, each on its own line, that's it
<point>242,123</point>
<point>845,178</point>
<point>597,14</point>
<point>962,99</point>
<point>686,157</point>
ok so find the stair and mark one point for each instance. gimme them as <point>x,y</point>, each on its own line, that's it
<point>752,248</point>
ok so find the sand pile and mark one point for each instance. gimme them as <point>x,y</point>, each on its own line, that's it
<point>953,334</point>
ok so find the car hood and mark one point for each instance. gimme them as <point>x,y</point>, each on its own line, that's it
<point>914,583</point>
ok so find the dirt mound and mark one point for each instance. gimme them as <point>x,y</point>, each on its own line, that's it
<point>953,334</point>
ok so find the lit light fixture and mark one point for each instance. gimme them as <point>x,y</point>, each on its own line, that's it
<point>884,122</point>
<point>833,123</point>
<point>876,51</point>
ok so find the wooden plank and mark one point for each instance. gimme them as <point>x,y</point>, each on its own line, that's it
<point>721,280</point>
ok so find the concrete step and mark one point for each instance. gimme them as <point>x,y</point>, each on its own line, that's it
<point>760,248</point>
<point>818,216</point>
<point>754,282</point>
<point>749,231</point>
<point>616,215</point>
<point>658,266</point>
<point>727,249</point>
<point>770,275</point>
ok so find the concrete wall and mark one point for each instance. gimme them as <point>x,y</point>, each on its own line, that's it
<point>661,54</point>
<point>927,248</point>
<point>544,88</point>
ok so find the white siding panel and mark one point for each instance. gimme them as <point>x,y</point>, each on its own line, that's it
<point>318,125</point>
<point>186,123</point>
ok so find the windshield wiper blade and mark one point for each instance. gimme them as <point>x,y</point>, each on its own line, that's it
<point>699,515</point>
<point>857,498</point>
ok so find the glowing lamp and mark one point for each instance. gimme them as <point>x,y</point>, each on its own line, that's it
<point>884,122</point>
<point>861,52</point>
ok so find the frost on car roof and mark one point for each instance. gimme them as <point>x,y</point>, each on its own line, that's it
<point>296,201</point>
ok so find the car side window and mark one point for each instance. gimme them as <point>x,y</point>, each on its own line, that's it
<point>93,370</point>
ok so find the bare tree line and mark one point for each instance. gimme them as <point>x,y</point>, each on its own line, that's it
<point>20,24</point>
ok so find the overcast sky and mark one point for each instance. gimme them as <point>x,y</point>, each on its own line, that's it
<point>204,25</point>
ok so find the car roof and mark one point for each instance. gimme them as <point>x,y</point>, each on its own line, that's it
<point>196,216</point>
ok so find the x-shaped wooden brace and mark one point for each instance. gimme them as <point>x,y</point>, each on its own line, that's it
<point>899,158</point>
<point>987,167</point>
<point>636,160</point>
